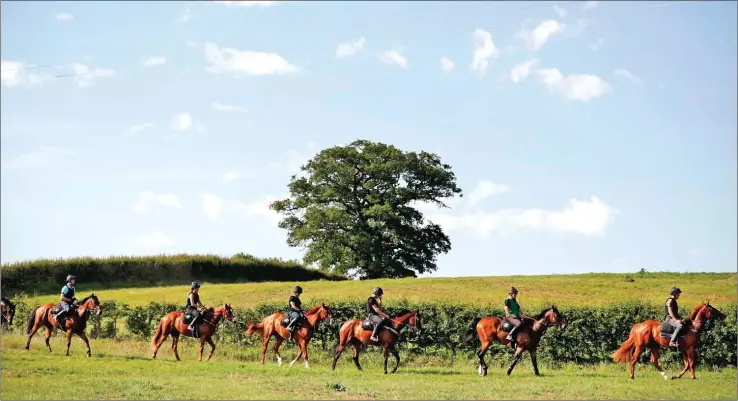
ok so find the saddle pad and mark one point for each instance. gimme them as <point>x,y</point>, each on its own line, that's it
<point>187,318</point>
<point>285,322</point>
<point>367,325</point>
<point>506,326</point>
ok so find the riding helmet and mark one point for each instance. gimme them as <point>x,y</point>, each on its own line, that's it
<point>675,290</point>
<point>71,277</point>
<point>513,290</point>
<point>194,285</point>
<point>378,291</point>
<point>297,289</point>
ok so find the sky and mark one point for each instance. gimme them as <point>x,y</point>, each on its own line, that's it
<point>587,136</point>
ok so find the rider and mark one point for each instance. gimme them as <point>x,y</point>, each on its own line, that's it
<point>376,316</point>
<point>67,297</point>
<point>672,314</point>
<point>193,302</point>
<point>294,309</point>
<point>512,312</point>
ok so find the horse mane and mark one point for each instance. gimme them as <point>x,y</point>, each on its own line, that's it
<point>697,310</point>
<point>314,309</point>
<point>402,312</point>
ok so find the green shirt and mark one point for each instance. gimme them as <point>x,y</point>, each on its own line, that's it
<point>514,307</point>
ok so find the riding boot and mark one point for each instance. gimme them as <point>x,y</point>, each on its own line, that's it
<point>374,336</point>
<point>511,335</point>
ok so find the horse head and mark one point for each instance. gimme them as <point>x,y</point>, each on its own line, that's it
<point>91,303</point>
<point>415,322</point>
<point>326,313</point>
<point>227,313</point>
<point>710,312</point>
<point>408,317</point>
<point>553,317</point>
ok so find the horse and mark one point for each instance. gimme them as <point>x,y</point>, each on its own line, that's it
<point>74,324</point>
<point>7,312</point>
<point>271,326</point>
<point>352,332</point>
<point>489,329</point>
<point>173,324</point>
<point>647,334</point>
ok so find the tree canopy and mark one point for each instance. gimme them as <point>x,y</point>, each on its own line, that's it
<point>353,209</point>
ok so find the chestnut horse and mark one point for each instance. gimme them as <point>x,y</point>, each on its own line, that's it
<point>173,324</point>
<point>7,312</point>
<point>648,334</point>
<point>352,332</point>
<point>74,324</point>
<point>271,326</point>
<point>489,329</point>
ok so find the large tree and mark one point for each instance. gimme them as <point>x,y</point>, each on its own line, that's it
<point>353,210</point>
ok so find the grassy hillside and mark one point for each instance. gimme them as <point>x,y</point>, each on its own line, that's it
<point>563,290</point>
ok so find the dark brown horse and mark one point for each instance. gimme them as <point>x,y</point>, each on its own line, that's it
<point>353,333</point>
<point>173,324</point>
<point>271,326</point>
<point>648,335</point>
<point>74,324</point>
<point>489,329</point>
<point>7,312</point>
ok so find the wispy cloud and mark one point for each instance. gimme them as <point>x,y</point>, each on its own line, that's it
<point>154,61</point>
<point>348,49</point>
<point>63,16</point>
<point>394,57</point>
<point>135,129</point>
<point>484,51</point>
<point>627,74</point>
<point>229,108</point>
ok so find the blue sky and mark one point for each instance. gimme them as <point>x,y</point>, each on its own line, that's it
<point>588,137</point>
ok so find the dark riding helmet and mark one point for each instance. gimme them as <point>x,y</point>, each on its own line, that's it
<point>71,277</point>
<point>194,285</point>
<point>513,290</point>
<point>378,291</point>
<point>297,289</point>
<point>675,290</point>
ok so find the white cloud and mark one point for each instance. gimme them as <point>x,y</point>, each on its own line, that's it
<point>349,49</point>
<point>85,76</point>
<point>590,218</point>
<point>186,16</point>
<point>235,175</point>
<point>484,51</point>
<point>44,156</point>
<point>534,40</point>
<point>521,71</point>
<point>560,11</point>
<point>627,74</point>
<point>259,209</point>
<point>294,159</point>
<point>154,61</point>
<point>484,190</point>
<point>393,57</point>
<point>228,60</point>
<point>580,87</point>
<point>147,198</point>
<point>212,206</point>
<point>590,5</point>
<point>16,73</point>
<point>596,45</point>
<point>154,240</point>
<point>135,129</point>
<point>181,122</point>
<point>247,3</point>
<point>229,108</point>
<point>64,16</point>
<point>446,64</point>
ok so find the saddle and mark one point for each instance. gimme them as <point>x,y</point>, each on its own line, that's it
<point>58,308</point>
<point>667,329</point>
<point>367,325</point>
<point>286,321</point>
<point>506,325</point>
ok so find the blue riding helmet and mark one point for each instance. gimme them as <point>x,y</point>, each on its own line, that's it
<point>194,285</point>
<point>70,278</point>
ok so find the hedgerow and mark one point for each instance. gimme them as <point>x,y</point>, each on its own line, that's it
<point>590,338</point>
<point>46,275</point>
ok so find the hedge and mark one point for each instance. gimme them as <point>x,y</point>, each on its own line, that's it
<point>590,338</point>
<point>47,275</point>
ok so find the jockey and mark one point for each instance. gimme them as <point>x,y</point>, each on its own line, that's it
<point>672,314</point>
<point>375,314</point>
<point>512,312</point>
<point>294,309</point>
<point>193,302</point>
<point>67,297</point>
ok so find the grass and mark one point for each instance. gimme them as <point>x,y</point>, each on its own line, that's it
<point>564,290</point>
<point>124,370</point>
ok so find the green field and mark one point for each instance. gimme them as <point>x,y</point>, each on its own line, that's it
<point>563,290</point>
<point>124,370</point>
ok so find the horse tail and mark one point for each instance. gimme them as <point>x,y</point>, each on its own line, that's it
<point>158,333</point>
<point>625,352</point>
<point>471,332</point>
<point>253,328</point>
<point>31,320</point>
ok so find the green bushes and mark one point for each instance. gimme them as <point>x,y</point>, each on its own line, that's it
<point>47,275</point>
<point>591,336</point>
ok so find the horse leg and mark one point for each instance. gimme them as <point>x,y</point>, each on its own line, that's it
<point>83,336</point>
<point>636,355</point>
<point>69,340</point>
<point>385,352</point>
<point>35,328</point>
<point>175,343</point>
<point>299,354</point>
<point>336,354</point>
<point>202,348</point>
<point>655,350</point>
<point>161,340</point>
<point>357,348</point>
<point>689,357</point>
<point>264,346</point>
<point>304,346</point>
<point>534,361</point>
<point>212,347</point>
<point>278,343</point>
<point>481,353</point>
<point>396,354</point>
<point>49,331</point>
<point>516,358</point>
<point>692,355</point>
